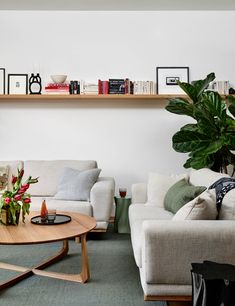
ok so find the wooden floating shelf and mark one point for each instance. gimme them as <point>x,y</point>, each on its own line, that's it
<point>87,97</point>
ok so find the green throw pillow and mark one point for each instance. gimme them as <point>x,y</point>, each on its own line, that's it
<point>181,193</point>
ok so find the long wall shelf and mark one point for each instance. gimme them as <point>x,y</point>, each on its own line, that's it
<point>86,97</point>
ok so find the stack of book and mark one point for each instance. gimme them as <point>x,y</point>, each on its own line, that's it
<point>116,86</point>
<point>74,87</point>
<point>88,88</point>
<point>144,88</point>
<point>57,88</point>
<point>103,87</point>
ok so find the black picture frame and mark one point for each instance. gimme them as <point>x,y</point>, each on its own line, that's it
<point>167,77</point>
<point>17,84</point>
<point>2,81</point>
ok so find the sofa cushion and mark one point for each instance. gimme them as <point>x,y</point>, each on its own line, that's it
<point>227,211</point>
<point>158,185</point>
<point>138,213</point>
<point>181,193</point>
<point>82,207</point>
<point>12,170</point>
<point>204,177</point>
<point>76,185</point>
<point>4,174</point>
<point>49,172</point>
<point>202,207</point>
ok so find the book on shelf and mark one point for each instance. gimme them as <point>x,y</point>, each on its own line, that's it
<point>103,87</point>
<point>57,88</point>
<point>74,87</point>
<point>87,88</point>
<point>143,88</point>
<point>116,86</point>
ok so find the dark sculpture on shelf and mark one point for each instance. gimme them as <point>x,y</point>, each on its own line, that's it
<point>35,84</point>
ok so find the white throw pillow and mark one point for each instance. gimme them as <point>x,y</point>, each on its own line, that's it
<point>158,185</point>
<point>227,211</point>
<point>202,207</point>
<point>4,178</point>
<point>205,177</point>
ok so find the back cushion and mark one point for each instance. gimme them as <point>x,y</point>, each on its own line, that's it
<point>12,169</point>
<point>227,211</point>
<point>49,172</point>
<point>204,177</point>
<point>158,185</point>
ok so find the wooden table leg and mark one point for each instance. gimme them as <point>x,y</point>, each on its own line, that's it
<point>83,277</point>
<point>26,272</point>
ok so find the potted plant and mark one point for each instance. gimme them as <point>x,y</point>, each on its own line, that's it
<point>210,139</point>
<point>16,200</point>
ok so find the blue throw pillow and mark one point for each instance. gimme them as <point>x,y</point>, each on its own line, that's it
<point>76,185</point>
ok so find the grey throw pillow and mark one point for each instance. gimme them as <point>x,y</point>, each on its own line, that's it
<point>76,185</point>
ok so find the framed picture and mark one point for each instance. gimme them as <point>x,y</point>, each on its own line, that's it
<point>17,84</point>
<point>167,78</point>
<point>2,81</point>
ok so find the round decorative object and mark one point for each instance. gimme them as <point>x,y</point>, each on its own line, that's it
<point>60,219</point>
<point>58,78</point>
<point>35,84</point>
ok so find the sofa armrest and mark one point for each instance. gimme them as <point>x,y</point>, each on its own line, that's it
<point>139,193</point>
<point>169,248</point>
<point>102,197</point>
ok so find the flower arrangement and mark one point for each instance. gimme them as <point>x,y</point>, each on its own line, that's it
<point>17,199</point>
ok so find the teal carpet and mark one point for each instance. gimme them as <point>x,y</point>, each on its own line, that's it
<point>114,275</point>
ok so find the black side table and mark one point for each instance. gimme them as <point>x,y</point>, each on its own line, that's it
<point>121,221</point>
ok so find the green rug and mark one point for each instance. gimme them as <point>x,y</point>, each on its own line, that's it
<point>114,275</point>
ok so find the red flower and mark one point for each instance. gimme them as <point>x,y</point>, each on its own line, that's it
<point>25,186</point>
<point>14,179</point>
<point>7,200</point>
<point>17,197</point>
<point>27,200</point>
<point>21,190</point>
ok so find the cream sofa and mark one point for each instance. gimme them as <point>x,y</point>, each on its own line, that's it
<point>101,196</point>
<point>164,249</point>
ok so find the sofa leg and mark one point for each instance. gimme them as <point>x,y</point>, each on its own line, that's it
<point>179,303</point>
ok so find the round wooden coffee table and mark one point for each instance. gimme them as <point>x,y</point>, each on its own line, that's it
<point>28,233</point>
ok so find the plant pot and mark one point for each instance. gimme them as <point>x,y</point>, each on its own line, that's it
<point>6,216</point>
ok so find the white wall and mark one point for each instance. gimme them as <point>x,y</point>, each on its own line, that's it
<point>127,142</point>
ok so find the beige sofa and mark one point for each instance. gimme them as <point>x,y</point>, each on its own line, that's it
<point>101,196</point>
<point>164,249</point>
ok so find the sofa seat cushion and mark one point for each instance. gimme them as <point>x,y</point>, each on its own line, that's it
<point>181,193</point>
<point>76,185</point>
<point>138,213</point>
<point>49,172</point>
<point>158,184</point>
<point>62,205</point>
<point>205,177</point>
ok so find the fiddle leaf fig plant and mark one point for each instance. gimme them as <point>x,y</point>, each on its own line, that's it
<point>210,139</point>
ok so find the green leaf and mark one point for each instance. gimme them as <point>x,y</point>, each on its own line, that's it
<point>187,141</point>
<point>180,106</point>
<point>190,90</point>
<point>190,127</point>
<point>195,89</point>
<point>210,149</point>
<point>201,85</point>
<point>202,162</point>
<point>213,103</point>
<point>199,162</point>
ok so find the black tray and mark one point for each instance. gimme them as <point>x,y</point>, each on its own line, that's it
<point>60,219</point>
